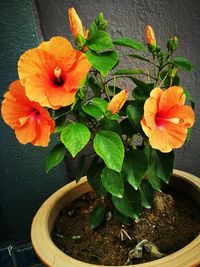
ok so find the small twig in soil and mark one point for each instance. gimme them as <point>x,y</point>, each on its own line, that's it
<point>122,233</point>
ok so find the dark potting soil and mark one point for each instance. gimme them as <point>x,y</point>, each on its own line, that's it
<point>171,224</point>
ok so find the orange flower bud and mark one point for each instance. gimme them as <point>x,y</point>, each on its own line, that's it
<point>118,101</point>
<point>150,36</point>
<point>75,23</point>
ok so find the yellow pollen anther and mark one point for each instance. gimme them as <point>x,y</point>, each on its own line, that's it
<point>57,73</point>
<point>175,120</point>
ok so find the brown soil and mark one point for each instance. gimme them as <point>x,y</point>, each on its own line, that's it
<point>171,224</point>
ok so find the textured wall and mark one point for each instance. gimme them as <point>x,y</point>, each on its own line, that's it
<point>23,183</point>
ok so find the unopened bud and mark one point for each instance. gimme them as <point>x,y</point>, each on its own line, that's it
<point>172,71</point>
<point>172,44</point>
<point>75,23</point>
<point>117,101</point>
<point>150,38</point>
<point>100,22</point>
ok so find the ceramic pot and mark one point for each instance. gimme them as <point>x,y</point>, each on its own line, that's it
<point>50,255</point>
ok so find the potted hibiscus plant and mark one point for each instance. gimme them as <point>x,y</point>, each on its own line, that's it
<point>75,94</point>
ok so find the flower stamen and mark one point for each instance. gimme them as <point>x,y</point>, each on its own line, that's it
<point>58,79</point>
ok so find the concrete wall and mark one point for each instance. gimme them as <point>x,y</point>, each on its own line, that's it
<point>23,182</point>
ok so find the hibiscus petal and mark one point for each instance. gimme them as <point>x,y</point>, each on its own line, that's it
<point>168,137</point>
<point>159,139</point>
<point>26,133</point>
<point>170,98</point>
<point>60,48</point>
<point>78,71</point>
<point>35,61</point>
<point>43,131</point>
<point>37,87</point>
<point>185,114</point>
<point>151,107</point>
<point>11,109</point>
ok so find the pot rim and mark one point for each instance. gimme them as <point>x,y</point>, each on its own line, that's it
<point>42,242</point>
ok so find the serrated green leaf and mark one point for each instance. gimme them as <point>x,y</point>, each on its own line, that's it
<point>128,72</point>
<point>128,42</point>
<point>146,194</point>
<point>135,111</point>
<point>55,157</point>
<point>101,41</point>
<point>182,63</point>
<point>97,216</point>
<point>103,62</point>
<point>130,204</point>
<point>94,176</point>
<point>134,167</point>
<point>75,136</point>
<point>108,145</point>
<point>113,182</point>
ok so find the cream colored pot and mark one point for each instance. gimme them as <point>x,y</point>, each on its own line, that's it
<point>50,255</point>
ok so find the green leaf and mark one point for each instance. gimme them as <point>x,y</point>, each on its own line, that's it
<point>160,166</point>
<point>75,136</point>
<point>96,107</point>
<point>139,57</point>
<point>55,157</point>
<point>100,42</point>
<point>135,112</point>
<point>127,127</point>
<point>130,204</point>
<point>80,168</point>
<point>134,167</point>
<point>108,145</point>
<point>128,72</point>
<point>94,176</point>
<point>113,182</point>
<point>110,125</point>
<point>96,89</point>
<point>60,124</point>
<point>189,97</point>
<point>121,217</point>
<point>142,91</point>
<point>97,216</point>
<point>183,63</point>
<point>146,194</point>
<point>103,62</point>
<point>128,42</point>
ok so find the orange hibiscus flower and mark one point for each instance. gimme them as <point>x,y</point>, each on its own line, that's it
<point>31,122</point>
<point>166,120</point>
<point>118,101</point>
<point>52,72</point>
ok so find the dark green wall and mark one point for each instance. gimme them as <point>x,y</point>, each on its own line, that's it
<point>23,182</point>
